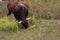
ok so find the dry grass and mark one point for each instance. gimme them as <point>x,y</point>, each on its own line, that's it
<point>45,9</point>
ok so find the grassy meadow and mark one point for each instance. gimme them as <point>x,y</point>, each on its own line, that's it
<point>11,25</point>
<point>43,25</point>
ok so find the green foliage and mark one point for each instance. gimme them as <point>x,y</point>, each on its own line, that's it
<point>27,4</point>
<point>11,25</point>
<point>32,21</point>
<point>7,25</point>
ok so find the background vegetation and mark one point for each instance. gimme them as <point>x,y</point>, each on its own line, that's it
<point>44,9</point>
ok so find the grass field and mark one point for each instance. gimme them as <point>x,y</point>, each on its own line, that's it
<point>46,30</point>
<point>11,25</point>
<point>44,25</point>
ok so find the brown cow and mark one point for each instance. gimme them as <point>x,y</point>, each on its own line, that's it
<point>20,12</point>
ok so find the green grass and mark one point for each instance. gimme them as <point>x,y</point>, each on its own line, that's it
<point>8,25</point>
<point>46,30</point>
